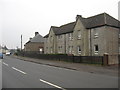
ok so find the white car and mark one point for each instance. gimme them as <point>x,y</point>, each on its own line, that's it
<point>8,53</point>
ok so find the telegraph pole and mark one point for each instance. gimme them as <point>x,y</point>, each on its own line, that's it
<point>21,42</point>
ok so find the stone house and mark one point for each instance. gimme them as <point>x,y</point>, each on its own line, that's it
<point>92,36</point>
<point>35,44</point>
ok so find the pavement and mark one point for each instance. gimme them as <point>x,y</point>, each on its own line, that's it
<point>17,73</point>
<point>96,69</point>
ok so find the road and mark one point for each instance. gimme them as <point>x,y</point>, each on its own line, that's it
<point>22,74</point>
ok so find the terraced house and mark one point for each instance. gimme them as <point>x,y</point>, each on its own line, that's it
<point>92,36</point>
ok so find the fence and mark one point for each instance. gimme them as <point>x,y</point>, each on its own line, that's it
<point>64,57</point>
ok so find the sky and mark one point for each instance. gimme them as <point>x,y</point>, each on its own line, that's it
<point>25,17</point>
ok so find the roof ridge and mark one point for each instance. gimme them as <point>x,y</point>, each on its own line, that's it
<point>67,24</point>
<point>105,21</point>
<point>95,15</point>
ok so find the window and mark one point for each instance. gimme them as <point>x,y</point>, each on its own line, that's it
<point>96,35</point>
<point>46,48</point>
<point>119,49</point>
<point>41,50</point>
<point>60,49</point>
<point>70,49</point>
<point>96,49</point>
<point>119,35</point>
<point>79,34</point>
<point>51,38</point>
<point>51,50</point>
<point>79,50</point>
<point>70,36</point>
<point>58,37</point>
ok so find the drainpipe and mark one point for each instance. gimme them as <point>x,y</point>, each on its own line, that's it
<point>65,43</point>
<point>90,43</point>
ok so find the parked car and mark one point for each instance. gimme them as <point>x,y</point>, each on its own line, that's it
<point>1,56</point>
<point>8,53</point>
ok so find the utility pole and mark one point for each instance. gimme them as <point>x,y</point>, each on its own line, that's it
<point>21,42</point>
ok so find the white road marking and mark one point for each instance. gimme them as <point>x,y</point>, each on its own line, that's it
<point>52,84</point>
<point>18,70</point>
<point>5,64</point>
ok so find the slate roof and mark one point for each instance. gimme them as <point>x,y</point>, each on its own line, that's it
<point>67,28</point>
<point>36,39</point>
<point>90,22</point>
<point>46,36</point>
<point>100,20</point>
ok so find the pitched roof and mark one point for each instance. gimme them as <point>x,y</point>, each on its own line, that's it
<point>100,20</point>
<point>36,39</point>
<point>90,22</point>
<point>67,28</point>
<point>46,36</point>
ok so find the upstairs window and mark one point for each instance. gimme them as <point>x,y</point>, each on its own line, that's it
<point>51,38</point>
<point>119,35</point>
<point>96,49</point>
<point>58,37</point>
<point>79,34</point>
<point>70,36</point>
<point>96,35</point>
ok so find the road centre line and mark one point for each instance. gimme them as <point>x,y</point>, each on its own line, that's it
<point>5,64</point>
<point>18,70</point>
<point>52,84</point>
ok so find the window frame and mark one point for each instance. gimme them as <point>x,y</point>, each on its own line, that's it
<point>96,51</point>
<point>79,49</point>
<point>79,34</point>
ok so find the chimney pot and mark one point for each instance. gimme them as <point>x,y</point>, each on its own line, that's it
<point>36,33</point>
<point>78,16</point>
<point>30,38</point>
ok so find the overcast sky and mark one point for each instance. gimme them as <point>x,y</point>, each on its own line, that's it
<point>29,16</point>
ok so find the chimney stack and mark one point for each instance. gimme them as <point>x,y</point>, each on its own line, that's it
<point>78,16</point>
<point>36,33</point>
<point>30,38</point>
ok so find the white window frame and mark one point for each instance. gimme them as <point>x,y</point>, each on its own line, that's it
<point>70,50</point>
<point>51,38</point>
<point>79,34</point>
<point>96,52</point>
<point>79,49</point>
<point>96,35</point>
<point>51,51</point>
<point>40,49</point>
<point>70,36</point>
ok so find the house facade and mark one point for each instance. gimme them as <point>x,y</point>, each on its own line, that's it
<point>35,44</point>
<point>92,36</point>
